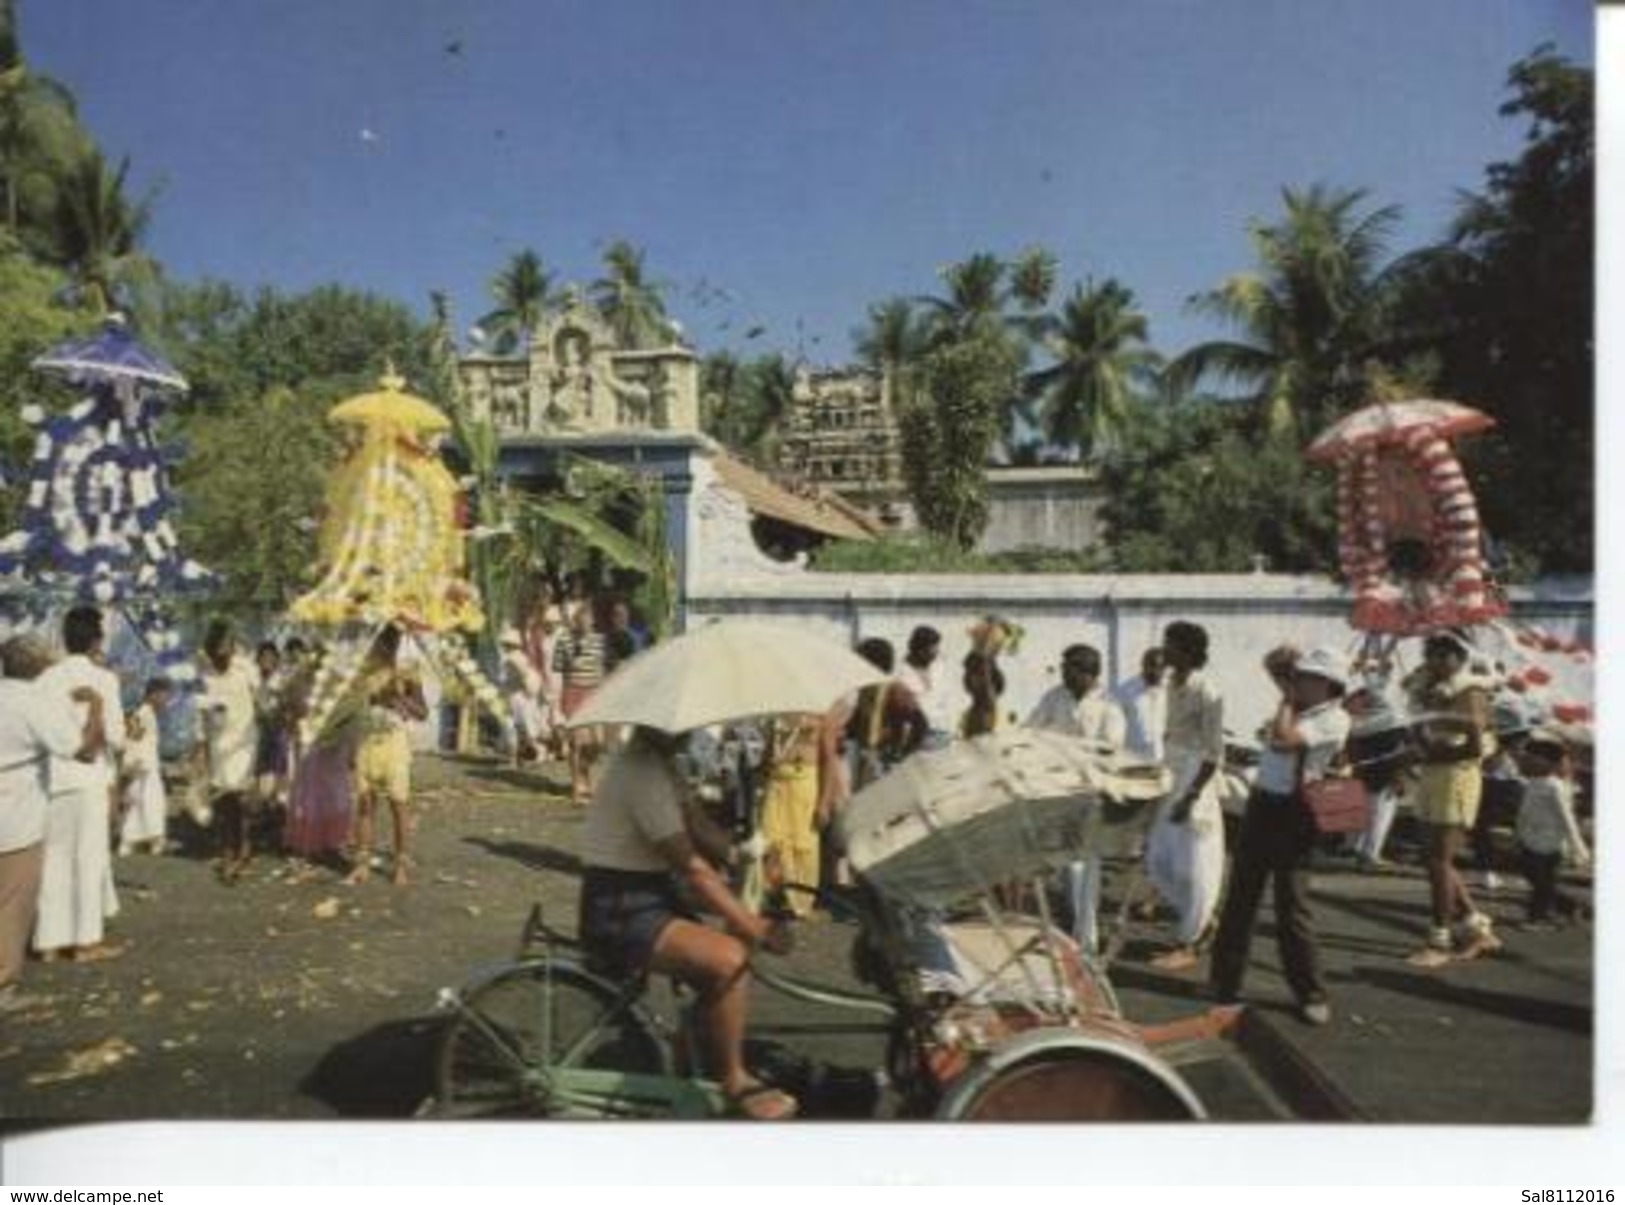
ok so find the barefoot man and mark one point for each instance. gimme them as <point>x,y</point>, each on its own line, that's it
<point>383,763</point>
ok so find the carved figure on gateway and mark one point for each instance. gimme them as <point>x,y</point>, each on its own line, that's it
<point>575,380</point>
<point>573,404</point>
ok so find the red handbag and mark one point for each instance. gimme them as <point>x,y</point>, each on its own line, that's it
<point>1338,804</point>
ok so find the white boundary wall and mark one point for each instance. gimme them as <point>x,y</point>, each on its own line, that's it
<point>1245,615</point>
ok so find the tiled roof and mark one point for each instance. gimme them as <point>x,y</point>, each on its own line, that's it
<point>815,510</point>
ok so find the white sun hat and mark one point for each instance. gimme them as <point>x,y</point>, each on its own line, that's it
<point>1324,663</point>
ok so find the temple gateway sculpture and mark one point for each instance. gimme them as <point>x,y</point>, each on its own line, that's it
<point>573,379</point>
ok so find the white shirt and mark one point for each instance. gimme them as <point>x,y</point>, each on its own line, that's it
<point>926,687</point>
<point>519,676</point>
<point>1324,729</point>
<point>35,726</point>
<point>141,752</point>
<point>1145,716</point>
<point>1194,728</point>
<point>1546,823</point>
<point>61,680</point>
<point>1094,717</point>
<point>228,722</point>
<point>638,804</point>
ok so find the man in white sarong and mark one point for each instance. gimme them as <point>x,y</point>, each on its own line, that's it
<point>1080,707</point>
<point>1184,856</point>
<point>35,726</point>
<point>229,734</point>
<point>76,885</point>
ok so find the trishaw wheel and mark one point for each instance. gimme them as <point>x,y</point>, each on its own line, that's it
<point>1076,1085</point>
<point>496,1056</point>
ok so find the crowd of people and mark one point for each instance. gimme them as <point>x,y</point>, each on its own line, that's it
<point>1207,872</point>
<point>83,780</point>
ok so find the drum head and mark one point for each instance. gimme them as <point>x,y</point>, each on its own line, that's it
<point>1093,1087</point>
<point>1104,1082</point>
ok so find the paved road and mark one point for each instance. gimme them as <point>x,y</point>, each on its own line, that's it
<point>283,998</point>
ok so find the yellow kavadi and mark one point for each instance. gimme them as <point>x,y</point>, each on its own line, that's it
<point>391,546</point>
<point>391,553</point>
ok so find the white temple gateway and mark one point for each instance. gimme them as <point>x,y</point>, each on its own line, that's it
<point>736,535</point>
<point>574,392</point>
<point>574,380</point>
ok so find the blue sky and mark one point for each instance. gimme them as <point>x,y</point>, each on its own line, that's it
<point>810,157</point>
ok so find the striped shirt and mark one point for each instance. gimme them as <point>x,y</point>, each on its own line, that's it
<point>580,659</point>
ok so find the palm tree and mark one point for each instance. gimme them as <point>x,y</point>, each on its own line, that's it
<point>523,291</point>
<point>893,343</point>
<point>40,134</point>
<point>1100,355</point>
<point>1032,278</point>
<point>721,380</point>
<point>442,350</point>
<point>97,231</point>
<point>1312,317</point>
<point>770,385</point>
<point>975,299</point>
<point>629,302</point>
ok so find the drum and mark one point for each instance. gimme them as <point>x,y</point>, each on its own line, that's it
<point>1095,1070</point>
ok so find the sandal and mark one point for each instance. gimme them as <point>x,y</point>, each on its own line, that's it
<point>101,952</point>
<point>1182,959</point>
<point>1430,957</point>
<point>762,1102</point>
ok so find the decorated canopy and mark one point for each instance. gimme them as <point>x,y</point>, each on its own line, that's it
<point>1410,543</point>
<point>96,525</point>
<point>113,354</point>
<point>392,546</point>
<point>391,551</point>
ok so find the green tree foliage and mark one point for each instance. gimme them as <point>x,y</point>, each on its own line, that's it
<point>264,372</point>
<point>1194,489</point>
<point>1311,319</point>
<point>31,320</point>
<point>1101,363</point>
<point>894,338</point>
<point>1032,278</point>
<point>96,230</point>
<point>1506,307</point>
<point>744,405</point>
<point>721,381</point>
<point>326,343</point>
<point>630,302</point>
<point>40,137</point>
<point>948,431</point>
<point>523,290</point>
<point>253,484</point>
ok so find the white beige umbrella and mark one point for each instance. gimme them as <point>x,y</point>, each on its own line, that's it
<point>733,669</point>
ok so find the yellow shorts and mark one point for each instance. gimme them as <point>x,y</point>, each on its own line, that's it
<point>383,766</point>
<point>1449,793</point>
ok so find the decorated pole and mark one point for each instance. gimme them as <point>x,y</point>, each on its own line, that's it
<point>1409,539</point>
<point>1410,544</point>
<point>96,525</point>
<point>392,551</point>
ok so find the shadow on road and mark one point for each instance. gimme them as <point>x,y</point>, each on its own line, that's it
<point>530,856</point>
<point>1571,1018</point>
<point>524,779</point>
<point>388,1071</point>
